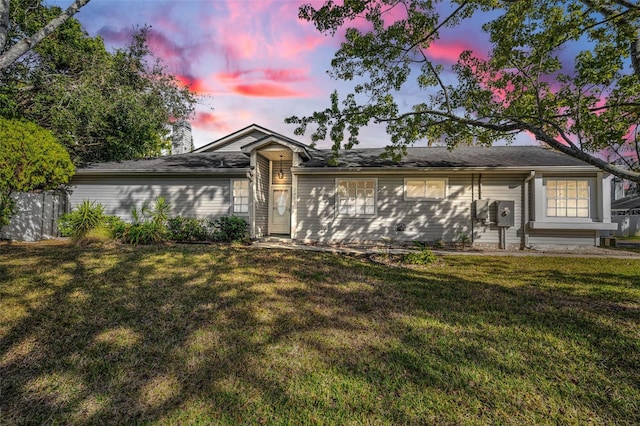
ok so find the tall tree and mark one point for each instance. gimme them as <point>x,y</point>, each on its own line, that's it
<point>101,105</point>
<point>21,44</point>
<point>566,72</point>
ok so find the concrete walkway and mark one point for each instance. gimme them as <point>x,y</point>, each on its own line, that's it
<point>590,252</point>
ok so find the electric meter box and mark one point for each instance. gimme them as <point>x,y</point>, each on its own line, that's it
<point>482,210</point>
<point>505,212</point>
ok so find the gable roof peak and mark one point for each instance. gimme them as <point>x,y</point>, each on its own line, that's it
<point>239,134</point>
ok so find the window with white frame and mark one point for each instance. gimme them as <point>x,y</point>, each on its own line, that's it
<point>425,188</point>
<point>240,196</point>
<point>567,197</point>
<point>356,197</point>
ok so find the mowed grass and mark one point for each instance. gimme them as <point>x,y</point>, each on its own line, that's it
<point>237,335</point>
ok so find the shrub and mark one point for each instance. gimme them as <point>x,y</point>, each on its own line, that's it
<point>64,225</point>
<point>421,257</point>
<point>464,239</point>
<point>187,229</point>
<point>149,224</point>
<point>116,226</point>
<point>160,212</point>
<point>81,219</point>
<point>143,233</point>
<point>30,158</point>
<point>230,229</point>
<point>97,235</point>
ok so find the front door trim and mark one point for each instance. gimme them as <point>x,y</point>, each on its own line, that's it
<point>286,228</point>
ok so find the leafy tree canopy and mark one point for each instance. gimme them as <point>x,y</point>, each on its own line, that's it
<point>101,105</point>
<point>567,72</point>
<point>30,159</point>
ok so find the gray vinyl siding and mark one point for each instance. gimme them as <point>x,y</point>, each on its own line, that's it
<point>559,237</point>
<point>262,196</point>
<point>496,188</point>
<point>424,220</point>
<point>237,144</point>
<point>203,197</point>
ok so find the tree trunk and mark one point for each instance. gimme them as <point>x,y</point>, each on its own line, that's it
<point>26,44</point>
<point>4,22</point>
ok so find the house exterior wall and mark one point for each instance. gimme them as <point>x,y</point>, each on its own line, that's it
<point>423,220</point>
<point>426,220</point>
<point>558,237</point>
<point>544,230</point>
<point>201,196</point>
<point>261,218</point>
<point>499,187</point>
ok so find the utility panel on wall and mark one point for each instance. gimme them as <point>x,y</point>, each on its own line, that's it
<point>482,210</point>
<point>505,212</point>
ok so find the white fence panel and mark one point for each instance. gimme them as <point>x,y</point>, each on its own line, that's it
<point>36,216</point>
<point>628,222</point>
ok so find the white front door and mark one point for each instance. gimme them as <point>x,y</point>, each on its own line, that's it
<point>280,211</point>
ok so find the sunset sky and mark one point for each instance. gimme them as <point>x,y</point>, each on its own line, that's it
<point>252,61</point>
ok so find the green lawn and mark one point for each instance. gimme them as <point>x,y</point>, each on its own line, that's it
<point>228,335</point>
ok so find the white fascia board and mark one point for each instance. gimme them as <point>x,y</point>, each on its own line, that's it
<point>272,139</point>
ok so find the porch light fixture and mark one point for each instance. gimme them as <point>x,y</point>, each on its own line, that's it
<point>281,173</point>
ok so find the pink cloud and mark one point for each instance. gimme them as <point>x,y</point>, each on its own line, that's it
<point>277,75</point>
<point>266,30</point>
<point>210,122</point>
<point>269,90</point>
<point>291,47</point>
<point>448,51</point>
<point>197,85</point>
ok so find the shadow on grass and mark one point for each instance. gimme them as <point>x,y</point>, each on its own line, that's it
<point>236,335</point>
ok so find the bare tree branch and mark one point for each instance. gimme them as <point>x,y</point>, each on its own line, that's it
<point>26,44</point>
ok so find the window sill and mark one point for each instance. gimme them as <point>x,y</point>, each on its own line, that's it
<point>587,226</point>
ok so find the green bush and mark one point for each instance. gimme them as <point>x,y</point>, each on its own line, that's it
<point>30,158</point>
<point>187,229</point>
<point>149,224</point>
<point>116,226</point>
<point>230,229</point>
<point>160,212</point>
<point>64,225</point>
<point>421,257</point>
<point>81,219</point>
<point>143,233</point>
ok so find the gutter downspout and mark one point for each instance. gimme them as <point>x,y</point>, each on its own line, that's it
<point>525,210</point>
<point>473,206</point>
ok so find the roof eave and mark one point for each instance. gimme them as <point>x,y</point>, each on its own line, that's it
<point>397,170</point>
<point>155,172</point>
